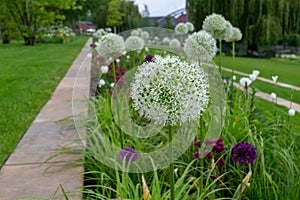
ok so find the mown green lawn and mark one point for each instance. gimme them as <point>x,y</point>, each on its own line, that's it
<point>288,72</point>
<point>28,76</point>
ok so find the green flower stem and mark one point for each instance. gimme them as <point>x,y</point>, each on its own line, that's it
<point>171,168</point>
<point>117,105</point>
<point>233,57</point>
<point>220,57</point>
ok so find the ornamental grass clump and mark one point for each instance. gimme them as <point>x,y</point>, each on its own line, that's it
<point>200,46</point>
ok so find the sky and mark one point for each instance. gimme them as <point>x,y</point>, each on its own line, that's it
<point>160,7</point>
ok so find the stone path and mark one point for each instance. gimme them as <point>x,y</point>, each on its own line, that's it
<point>28,172</point>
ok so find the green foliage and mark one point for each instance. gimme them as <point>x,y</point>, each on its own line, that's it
<point>114,17</point>
<point>261,21</point>
<point>30,15</point>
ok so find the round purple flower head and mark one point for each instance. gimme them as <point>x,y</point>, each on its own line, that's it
<point>128,154</point>
<point>148,58</point>
<point>243,153</point>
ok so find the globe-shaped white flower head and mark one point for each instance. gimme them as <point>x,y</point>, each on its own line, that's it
<point>145,35</point>
<point>274,78</point>
<point>291,112</point>
<point>181,29</point>
<point>170,91</point>
<point>135,33</point>
<point>235,36</point>
<point>200,46</point>
<point>216,25</point>
<point>99,33</point>
<point>190,26</point>
<point>110,44</point>
<point>174,44</point>
<point>273,96</point>
<point>166,41</point>
<point>245,81</point>
<point>134,43</point>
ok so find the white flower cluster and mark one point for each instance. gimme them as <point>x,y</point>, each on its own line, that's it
<point>200,46</point>
<point>218,26</point>
<point>248,81</point>
<point>166,41</point>
<point>134,43</point>
<point>181,28</point>
<point>110,44</point>
<point>174,44</point>
<point>100,33</point>
<point>169,90</point>
<point>235,36</point>
<point>190,26</point>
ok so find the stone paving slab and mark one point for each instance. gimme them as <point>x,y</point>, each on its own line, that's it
<point>35,180</point>
<point>25,171</point>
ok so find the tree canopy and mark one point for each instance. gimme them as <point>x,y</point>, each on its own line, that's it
<point>261,21</point>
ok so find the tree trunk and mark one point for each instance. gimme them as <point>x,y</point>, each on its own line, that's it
<point>5,38</point>
<point>29,41</point>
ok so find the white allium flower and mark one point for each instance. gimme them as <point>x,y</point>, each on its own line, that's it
<point>104,69</point>
<point>244,81</point>
<point>146,49</point>
<point>135,32</point>
<point>169,90</point>
<point>291,112</point>
<point>110,44</point>
<point>255,72</point>
<point>253,77</point>
<point>101,82</point>
<point>235,36</point>
<point>134,43</point>
<point>118,60</point>
<point>190,26</point>
<point>108,30</point>
<point>273,96</point>
<point>174,44</point>
<point>128,57</point>
<point>112,85</point>
<point>100,33</point>
<point>166,41</point>
<point>145,35</point>
<point>234,77</point>
<point>274,78</point>
<point>217,25</point>
<point>124,53</point>
<point>200,46</point>
<point>181,28</point>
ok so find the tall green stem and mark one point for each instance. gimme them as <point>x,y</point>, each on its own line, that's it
<point>233,57</point>
<point>220,57</point>
<point>117,104</point>
<point>171,168</point>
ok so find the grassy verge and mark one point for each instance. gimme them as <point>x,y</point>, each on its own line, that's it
<point>287,71</point>
<point>29,75</point>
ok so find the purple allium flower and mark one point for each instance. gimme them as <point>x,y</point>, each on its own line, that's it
<point>148,58</point>
<point>217,145</point>
<point>221,162</point>
<point>128,154</point>
<point>197,143</point>
<point>243,153</point>
<point>196,155</point>
<point>207,154</point>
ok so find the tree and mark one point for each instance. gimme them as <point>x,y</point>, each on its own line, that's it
<point>30,15</point>
<point>261,21</point>
<point>131,17</point>
<point>114,15</point>
<point>168,24</point>
<point>4,23</point>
